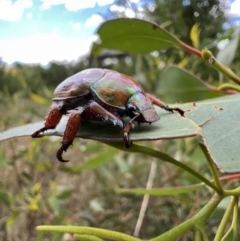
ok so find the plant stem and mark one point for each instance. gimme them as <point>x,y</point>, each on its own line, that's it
<point>86,237</point>
<point>197,221</point>
<point>166,158</point>
<point>190,49</point>
<point>224,221</point>
<point>208,56</point>
<point>197,236</point>
<point>235,219</point>
<point>234,192</point>
<point>107,234</point>
<point>229,86</point>
<point>203,233</point>
<point>145,201</point>
<point>232,233</point>
<point>212,167</point>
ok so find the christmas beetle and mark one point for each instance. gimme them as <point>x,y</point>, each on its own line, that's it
<point>100,95</point>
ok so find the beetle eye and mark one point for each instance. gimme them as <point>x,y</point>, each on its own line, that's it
<point>131,110</point>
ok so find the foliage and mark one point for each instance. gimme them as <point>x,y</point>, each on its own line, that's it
<point>35,78</point>
<point>103,184</point>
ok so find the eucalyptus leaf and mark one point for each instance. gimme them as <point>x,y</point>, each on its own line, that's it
<point>170,126</point>
<point>132,35</point>
<point>218,119</point>
<point>181,85</point>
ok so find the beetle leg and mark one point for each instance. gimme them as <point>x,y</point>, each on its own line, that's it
<point>70,132</point>
<point>98,109</point>
<point>53,119</point>
<point>161,104</point>
<point>126,131</point>
<point>126,140</point>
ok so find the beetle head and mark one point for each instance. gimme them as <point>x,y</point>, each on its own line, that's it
<point>139,103</point>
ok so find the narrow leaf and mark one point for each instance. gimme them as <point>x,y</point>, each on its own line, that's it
<point>227,54</point>
<point>194,35</point>
<point>100,159</point>
<point>161,191</point>
<point>38,99</point>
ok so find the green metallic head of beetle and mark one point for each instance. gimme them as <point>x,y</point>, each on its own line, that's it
<point>137,104</point>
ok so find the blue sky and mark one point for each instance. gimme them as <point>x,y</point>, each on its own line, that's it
<point>39,31</point>
<point>42,30</point>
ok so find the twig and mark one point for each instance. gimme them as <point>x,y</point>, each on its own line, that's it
<point>145,198</point>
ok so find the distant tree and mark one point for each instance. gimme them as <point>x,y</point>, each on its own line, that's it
<point>209,14</point>
<point>178,17</point>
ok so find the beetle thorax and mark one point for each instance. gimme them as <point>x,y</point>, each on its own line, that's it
<point>144,107</point>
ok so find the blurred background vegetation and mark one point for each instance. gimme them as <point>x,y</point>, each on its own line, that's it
<point>36,189</point>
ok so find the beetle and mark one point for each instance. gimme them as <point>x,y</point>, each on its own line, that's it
<point>100,95</point>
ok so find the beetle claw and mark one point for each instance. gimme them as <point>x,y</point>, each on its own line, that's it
<point>60,151</point>
<point>181,112</point>
<point>37,134</point>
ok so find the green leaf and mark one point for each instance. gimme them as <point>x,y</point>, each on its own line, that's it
<point>216,120</point>
<point>170,126</point>
<point>38,99</point>
<point>99,160</point>
<point>64,194</point>
<point>5,198</point>
<point>3,161</point>
<point>161,191</point>
<point>71,170</point>
<point>220,129</point>
<point>226,55</point>
<point>13,217</point>
<point>194,34</point>
<point>55,204</point>
<point>133,35</point>
<point>183,86</point>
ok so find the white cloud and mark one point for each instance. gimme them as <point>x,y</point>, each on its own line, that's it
<point>77,26</point>
<point>42,48</point>
<point>48,3</point>
<point>13,10</point>
<point>74,5</point>
<point>127,11</point>
<point>235,7</point>
<point>94,20</point>
<point>29,15</point>
<point>104,2</point>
